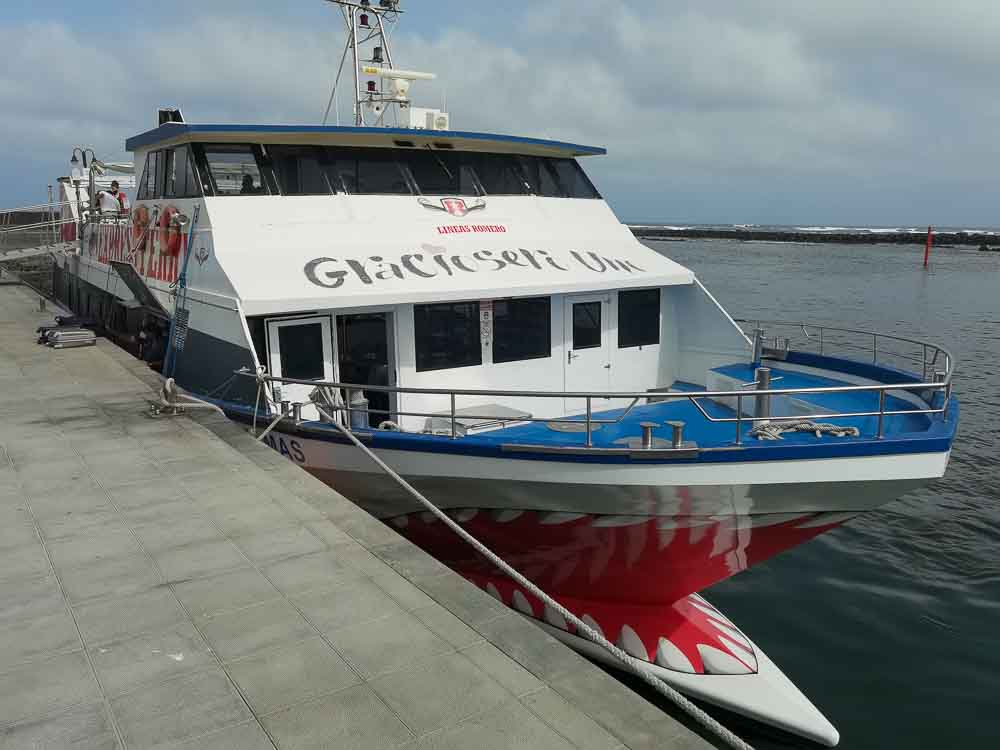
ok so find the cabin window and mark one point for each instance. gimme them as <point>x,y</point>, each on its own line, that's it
<point>586,325</point>
<point>181,180</point>
<point>638,318</point>
<point>447,336</point>
<point>522,329</point>
<point>499,174</point>
<point>299,170</point>
<point>541,177</point>
<point>441,174</point>
<point>142,192</point>
<point>572,179</point>
<point>367,172</point>
<point>151,184</point>
<point>301,351</point>
<point>235,170</point>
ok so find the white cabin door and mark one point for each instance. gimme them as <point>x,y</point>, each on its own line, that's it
<point>301,349</point>
<point>588,348</point>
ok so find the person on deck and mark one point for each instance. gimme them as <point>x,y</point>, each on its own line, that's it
<point>113,201</point>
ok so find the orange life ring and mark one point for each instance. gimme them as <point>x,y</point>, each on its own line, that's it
<point>170,232</point>
<point>140,220</point>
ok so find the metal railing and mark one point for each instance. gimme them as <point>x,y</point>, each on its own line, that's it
<point>925,389</point>
<point>45,232</point>
<point>818,338</point>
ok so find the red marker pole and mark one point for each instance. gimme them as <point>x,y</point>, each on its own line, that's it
<point>930,244</point>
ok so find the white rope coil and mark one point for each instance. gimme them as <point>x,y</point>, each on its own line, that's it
<point>774,430</point>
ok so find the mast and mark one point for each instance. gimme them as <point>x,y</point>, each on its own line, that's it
<point>381,90</point>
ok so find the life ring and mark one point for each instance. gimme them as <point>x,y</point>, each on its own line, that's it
<point>170,232</point>
<point>140,220</point>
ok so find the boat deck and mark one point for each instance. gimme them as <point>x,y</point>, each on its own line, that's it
<point>172,583</point>
<point>708,434</point>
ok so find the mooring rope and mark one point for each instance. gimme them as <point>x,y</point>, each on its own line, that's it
<point>774,430</point>
<point>634,665</point>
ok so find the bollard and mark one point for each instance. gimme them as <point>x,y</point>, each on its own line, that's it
<point>762,403</point>
<point>647,434</point>
<point>297,413</point>
<point>677,438</point>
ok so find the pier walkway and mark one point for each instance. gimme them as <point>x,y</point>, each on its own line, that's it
<point>172,583</point>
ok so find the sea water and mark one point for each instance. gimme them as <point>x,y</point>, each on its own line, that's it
<point>891,623</point>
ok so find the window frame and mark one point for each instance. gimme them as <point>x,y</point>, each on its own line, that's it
<point>547,323</point>
<point>442,158</point>
<point>599,327</point>
<point>322,159</point>
<point>190,191</point>
<point>632,343</point>
<point>208,181</point>
<point>475,325</point>
<point>142,187</point>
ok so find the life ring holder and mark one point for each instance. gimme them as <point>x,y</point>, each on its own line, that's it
<point>169,232</point>
<point>140,223</point>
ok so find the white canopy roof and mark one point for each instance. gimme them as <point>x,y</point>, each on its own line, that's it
<point>293,254</point>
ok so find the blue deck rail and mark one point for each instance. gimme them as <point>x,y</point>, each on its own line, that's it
<point>886,378</point>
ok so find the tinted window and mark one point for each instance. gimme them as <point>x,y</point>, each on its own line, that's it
<point>144,191</point>
<point>158,168</point>
<point>441,173</point>
<point>235,170</point>
<point>586,325</point>
<point>638,318</point>
<point>151,184</point>
<point>522,329</point>
<point>301,351</point>
<point>181,182</point>
<point>572,179</point>
<point>300,171</point>
<point>380,174</point>
<point>447,336</point>
<point>366,172</point>
<point>499,174</point>
<point>541,177</point>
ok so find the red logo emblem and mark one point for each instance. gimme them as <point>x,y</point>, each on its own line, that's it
<point>455,206</point>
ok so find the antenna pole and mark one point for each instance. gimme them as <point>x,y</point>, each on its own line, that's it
<point>385,40</point>
<point>336,84</point>
<point>359,116</point>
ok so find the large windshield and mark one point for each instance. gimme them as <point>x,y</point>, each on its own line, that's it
<point>324,170</point>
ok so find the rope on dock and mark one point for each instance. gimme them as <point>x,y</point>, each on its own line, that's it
<point>633,665</point>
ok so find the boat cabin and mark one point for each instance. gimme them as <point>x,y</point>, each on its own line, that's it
<point>417,259</point>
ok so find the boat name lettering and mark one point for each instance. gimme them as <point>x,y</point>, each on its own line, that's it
<point>331,273</point>
<point>290,449</point>
<point>473,229</point>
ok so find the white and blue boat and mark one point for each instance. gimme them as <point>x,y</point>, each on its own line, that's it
<point>470,307</point>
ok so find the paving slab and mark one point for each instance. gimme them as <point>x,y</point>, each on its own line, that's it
<point>175,584</point>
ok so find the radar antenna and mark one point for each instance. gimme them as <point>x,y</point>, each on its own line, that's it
<point>381,90</point>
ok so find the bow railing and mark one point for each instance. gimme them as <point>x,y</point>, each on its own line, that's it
<point>338,397</point>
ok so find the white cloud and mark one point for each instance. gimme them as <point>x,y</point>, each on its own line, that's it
<point>740,93</point>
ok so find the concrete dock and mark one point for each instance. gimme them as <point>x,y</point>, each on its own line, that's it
<point>173,583</point>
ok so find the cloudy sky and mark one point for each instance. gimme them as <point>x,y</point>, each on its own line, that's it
<point>830,112</point>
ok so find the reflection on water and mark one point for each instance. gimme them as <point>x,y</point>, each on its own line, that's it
<point>890,624</point>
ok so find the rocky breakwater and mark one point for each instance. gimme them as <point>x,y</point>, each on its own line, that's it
<point>942,239</point>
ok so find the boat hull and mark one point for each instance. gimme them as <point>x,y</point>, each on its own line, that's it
<point>627,548</point>
<point>585,534</point>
